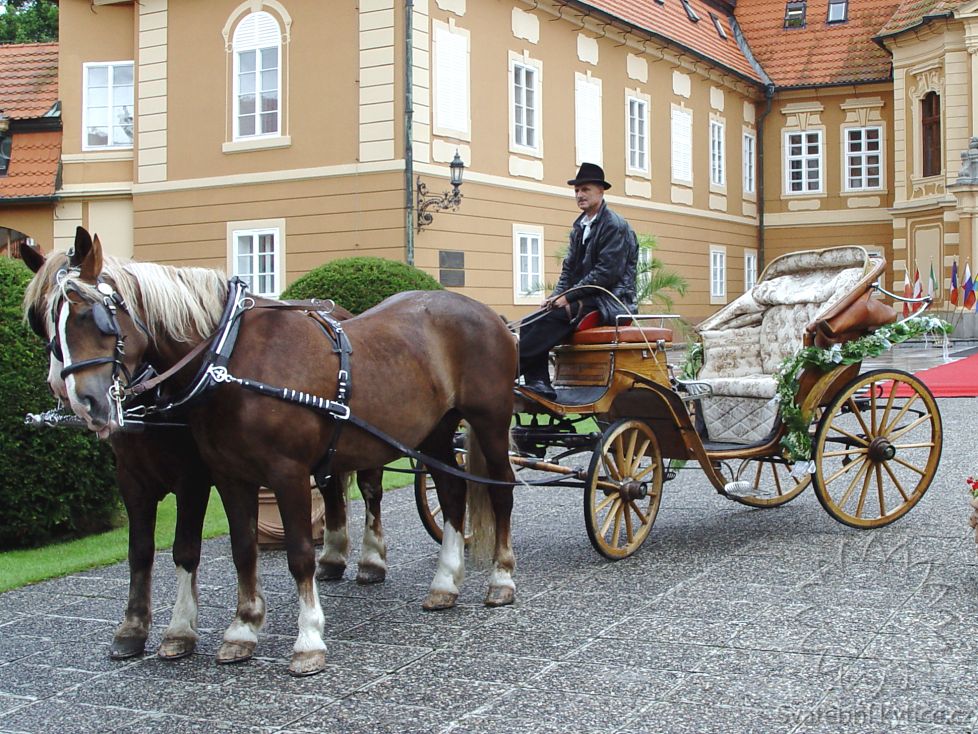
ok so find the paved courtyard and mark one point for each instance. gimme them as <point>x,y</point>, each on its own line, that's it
<point>728,620</point>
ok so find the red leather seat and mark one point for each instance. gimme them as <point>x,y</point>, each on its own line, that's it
<point>622,335</point>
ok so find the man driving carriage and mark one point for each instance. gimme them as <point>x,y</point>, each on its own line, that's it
<point>597,277</point>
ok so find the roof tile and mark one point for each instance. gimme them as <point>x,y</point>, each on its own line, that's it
<point>28,79</point>
<point>33,169</point>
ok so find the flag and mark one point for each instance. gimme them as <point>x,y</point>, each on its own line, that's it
<point>907,292</point>
<point>931,282</point>
<point>918,291</point>
<point>954,283</point>
<point>969,289</point>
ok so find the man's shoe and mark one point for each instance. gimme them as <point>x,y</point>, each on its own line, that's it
<point>542,388</point>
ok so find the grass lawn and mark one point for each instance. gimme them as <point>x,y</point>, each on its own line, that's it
<point>21,567</point>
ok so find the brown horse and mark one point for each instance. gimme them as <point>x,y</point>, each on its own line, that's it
<point>159,460</point>
<point>420,362</point>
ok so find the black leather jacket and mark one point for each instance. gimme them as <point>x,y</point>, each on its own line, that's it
<point>608,259</point>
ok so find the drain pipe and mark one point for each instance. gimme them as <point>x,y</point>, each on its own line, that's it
<point>409,132</point>
<point>769,96</point>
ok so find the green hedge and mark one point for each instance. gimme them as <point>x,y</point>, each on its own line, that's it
<point>359,283</point>
<point>55,482</point>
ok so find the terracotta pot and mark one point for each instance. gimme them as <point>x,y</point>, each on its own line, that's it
<point>271,534</point>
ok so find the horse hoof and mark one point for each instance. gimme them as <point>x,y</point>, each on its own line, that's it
<point>330,571</point>
<point>438,600</point>
<point>174,648</point>
<point>307,663</point>
<point>127,647</point>
<point>371,574</point>
<point>500,596</point>
<point>235,652</point>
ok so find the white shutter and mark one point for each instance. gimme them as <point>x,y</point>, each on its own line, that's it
<point>587,118</point>
<point>257,30</point>
<point>682,144</point>
<point>451,92</point>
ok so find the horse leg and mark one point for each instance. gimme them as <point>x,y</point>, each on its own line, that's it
<point>292,493</point>
<point>372,568</point>
<point>241,637</point>
<point>336,540</point>
<point>451,495</point>
<point>129,639</point>
<point>180,636</point>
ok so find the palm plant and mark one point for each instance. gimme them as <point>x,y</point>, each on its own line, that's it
<point>653,279</point>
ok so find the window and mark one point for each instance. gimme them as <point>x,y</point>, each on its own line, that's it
<point>838,11</point>
<point>643,274</point>
<point>638,134</point>
<point>930,125</point>
<point>525,83</point>
<point>108,105</point>
<point>682,145</point>
<point>750,269</point>
<point>587,119</point>
<point>794,14</point>
<point>5,145</point>
<point>690,13</point>
<point>718,273</point>
<point>256,259</point>
<point>717,173</point>
<point>257,78</point>
<point>527,264</point>
<point>450,80</point>
<point>863,161</point>
<point>749,163</point>
<point>716,24</point>
<point>804,162</point>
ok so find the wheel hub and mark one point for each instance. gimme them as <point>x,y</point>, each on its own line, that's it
<point>881,450</point>
<point>634,490</point>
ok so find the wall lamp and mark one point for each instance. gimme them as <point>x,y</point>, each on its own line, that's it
<point>448,200</point>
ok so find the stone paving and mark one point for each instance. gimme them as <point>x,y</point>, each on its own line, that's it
<point>728,620</point>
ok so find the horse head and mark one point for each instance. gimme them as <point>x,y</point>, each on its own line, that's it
<point>94,340</point>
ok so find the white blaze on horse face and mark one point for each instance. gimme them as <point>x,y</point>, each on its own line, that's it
<point>183,623</point>
<point>451,561</point>
<point>70,389</point>
<point>311,622</point>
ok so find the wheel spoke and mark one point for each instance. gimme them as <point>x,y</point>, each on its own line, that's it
<point>879,490</point>
<point>859,417</point>
<point>610,466</point>
<point>885,430</point>
<point>909,466</point>
<point>929,445</point>
<point>847,452</point>
<point>605,502</point>
<point>628,521</point>
<point>846,468</point>
<point>872,408</point>
<point>844,500</point>
<point>889,404</point>
<point>612,513</point>
<point>909,427</point>
<point>645,472</point>
<point>896,482</point>
<point>862,494</point>
<point>616,533</point>
<point>638,512</point>
<point>628,460</point>
<point>638,456</point>
<point>757,474</point>
<point>850,436</point>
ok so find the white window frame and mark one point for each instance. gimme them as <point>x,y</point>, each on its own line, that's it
<point>681,116</point>
<point>275,227</point>
<point>750,163</point>
<point>848,156</point>
<point>588,128</point>
<point>750,269</point>
<point>522,297</point>
<point>236,51</point>
<point>639,133</point>
<point>87,122</point>
<point>524,61</point>
<point>718,154</point>
<point>451,83</point>
<point>643,276</point>
<point>718,274</point>
<point>804,157</point>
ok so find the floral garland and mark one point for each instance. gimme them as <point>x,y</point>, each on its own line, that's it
<point>797,442</point>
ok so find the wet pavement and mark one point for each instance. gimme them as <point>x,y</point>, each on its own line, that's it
<point>728,619</point>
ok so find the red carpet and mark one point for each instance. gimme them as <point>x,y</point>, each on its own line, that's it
<point>953,380</point>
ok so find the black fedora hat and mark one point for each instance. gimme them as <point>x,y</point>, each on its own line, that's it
<point>589,173</point>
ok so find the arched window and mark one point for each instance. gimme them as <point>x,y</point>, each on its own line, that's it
<point>257,45</point>
<point>930,127</point>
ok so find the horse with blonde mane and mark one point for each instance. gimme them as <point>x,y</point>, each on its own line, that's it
<point>412,367</point>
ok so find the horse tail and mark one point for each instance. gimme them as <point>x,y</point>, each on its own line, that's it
<point>481,523</point>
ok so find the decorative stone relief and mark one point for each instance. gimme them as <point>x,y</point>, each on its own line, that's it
<point>638,68</point>
<point>716,98</point>
<point>930,80</point>
<point>968,174</point>
<point>680,84</point>
<point>526,25</point>
<point>587,49</point>
<point>452,6</point>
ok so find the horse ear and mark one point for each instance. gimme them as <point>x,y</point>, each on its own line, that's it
<point>78,251</point>
<point>91,262</point>
<point>34,259</point>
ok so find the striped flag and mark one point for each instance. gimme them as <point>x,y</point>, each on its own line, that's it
<point>931,281</point>
<point>907,292</point>
<point>954,283</point>
<point>918,290</point>
<point>969,289</point>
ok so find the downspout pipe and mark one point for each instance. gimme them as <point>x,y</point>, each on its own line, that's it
<point>409,132</point>
<point>769,97</point>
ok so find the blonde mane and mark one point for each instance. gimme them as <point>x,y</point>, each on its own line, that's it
<point>178,303</point>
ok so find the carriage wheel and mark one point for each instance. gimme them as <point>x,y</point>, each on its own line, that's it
<point>624,488</point>
<point>426,499</point>
<point>877,448</point>
<point>766,482</point>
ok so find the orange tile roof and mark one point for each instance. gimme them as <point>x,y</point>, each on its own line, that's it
<point>820,53</point>
<point>669,20</point>
<point>33,169</point>
<point>28,79</point>
<point>915,12</point>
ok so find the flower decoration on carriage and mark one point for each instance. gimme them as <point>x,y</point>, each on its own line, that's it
<point>972,487</point>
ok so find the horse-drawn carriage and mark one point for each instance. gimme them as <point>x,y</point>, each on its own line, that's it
<point>875,437</point>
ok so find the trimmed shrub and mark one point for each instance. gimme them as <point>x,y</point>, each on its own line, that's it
<point>359,283</point>
<point>54,482</point>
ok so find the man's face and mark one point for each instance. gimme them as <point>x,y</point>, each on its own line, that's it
<point>589,197</point>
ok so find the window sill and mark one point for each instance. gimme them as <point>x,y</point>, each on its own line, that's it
<point>98,154</point>
<point>263,143</point>
<point>718,188</point>
<point>521,150</point>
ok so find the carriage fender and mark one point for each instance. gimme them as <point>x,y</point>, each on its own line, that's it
<point>663,410</point>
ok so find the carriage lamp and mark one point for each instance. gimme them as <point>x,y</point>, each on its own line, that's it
<point>447,200</point>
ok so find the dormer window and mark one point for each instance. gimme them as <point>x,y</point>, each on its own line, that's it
<point>5,141</point>
<point>716,24</point>
<point>838,11</point>
<point>794,14</point>
<point>690,13</point>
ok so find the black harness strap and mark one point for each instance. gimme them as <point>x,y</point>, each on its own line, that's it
<point>341,346</point>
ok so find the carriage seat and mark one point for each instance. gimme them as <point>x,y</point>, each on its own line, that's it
<point>621,335</point>
<point>745,342</point>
